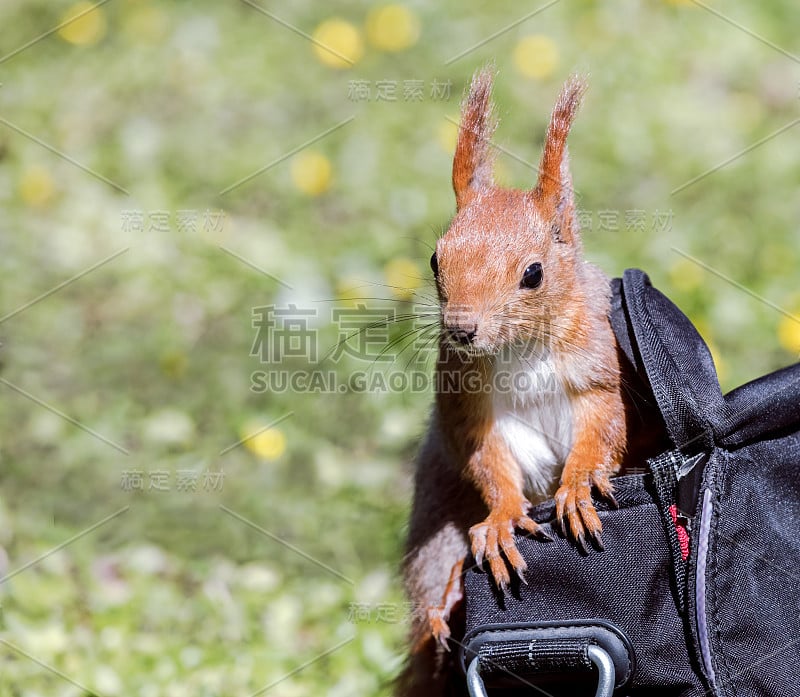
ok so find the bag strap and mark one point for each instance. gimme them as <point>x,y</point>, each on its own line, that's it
<point>676,360</point>
<point>666,351</point>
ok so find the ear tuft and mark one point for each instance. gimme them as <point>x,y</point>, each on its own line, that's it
<point>554,188</point>
<point>472,164</point>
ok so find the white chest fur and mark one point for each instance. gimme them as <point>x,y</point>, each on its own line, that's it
<point>533,414</point>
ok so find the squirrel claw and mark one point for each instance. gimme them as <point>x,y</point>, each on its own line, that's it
<point>493,539</point>
<point>531,526</point>
<point>598,541</point>
<point>500,572</point>
<point>604,487</point>
<point>577,514</point>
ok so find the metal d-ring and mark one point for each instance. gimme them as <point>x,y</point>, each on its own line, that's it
<point>605,668</point>
<point>475,684</point>
<point>606,673</point>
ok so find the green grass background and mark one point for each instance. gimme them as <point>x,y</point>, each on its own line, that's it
<point>176,101</point>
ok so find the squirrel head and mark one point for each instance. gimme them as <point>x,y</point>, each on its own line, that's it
<point>506,269</point>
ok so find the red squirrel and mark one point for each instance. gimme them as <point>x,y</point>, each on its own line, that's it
<point>525,318</point>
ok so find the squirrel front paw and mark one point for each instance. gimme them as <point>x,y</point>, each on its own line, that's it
<point>495,535</point>
<point>575,509</point>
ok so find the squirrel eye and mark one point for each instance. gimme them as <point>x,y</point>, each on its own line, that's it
<point>434,265</point>
<point>532,278</point>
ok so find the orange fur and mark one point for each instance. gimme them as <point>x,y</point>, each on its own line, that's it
<point>472,163</point>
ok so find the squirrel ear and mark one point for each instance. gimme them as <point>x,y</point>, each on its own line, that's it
<point>472,164</point>
<point>553,192</point>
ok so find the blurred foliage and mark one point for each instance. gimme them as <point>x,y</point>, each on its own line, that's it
<point>141,109</point>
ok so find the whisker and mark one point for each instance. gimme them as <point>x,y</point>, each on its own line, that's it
<point>391,300</point>
<point>429,342</point>
<point>417,239</point>
<point>397,340</point>
<point>376,325</point>
<point>412,291</point>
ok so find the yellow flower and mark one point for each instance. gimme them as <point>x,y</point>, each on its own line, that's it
<point>536,57</point>
<point>83,24</point>
<point>392,28</point>
<point>403,277</point>
<point>447,135</point>
<point>685,275</point>
<point>311,172</point>
<point>36,186</point>
<point>789,333</point>
<point>338,43</point>
<point>268,444</point>
<point>144,22</point>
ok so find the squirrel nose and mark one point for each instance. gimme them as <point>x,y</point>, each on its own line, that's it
<point>463,335</point>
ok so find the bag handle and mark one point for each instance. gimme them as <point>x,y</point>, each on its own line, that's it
<point>529,653</point>
<point>581,655</point>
